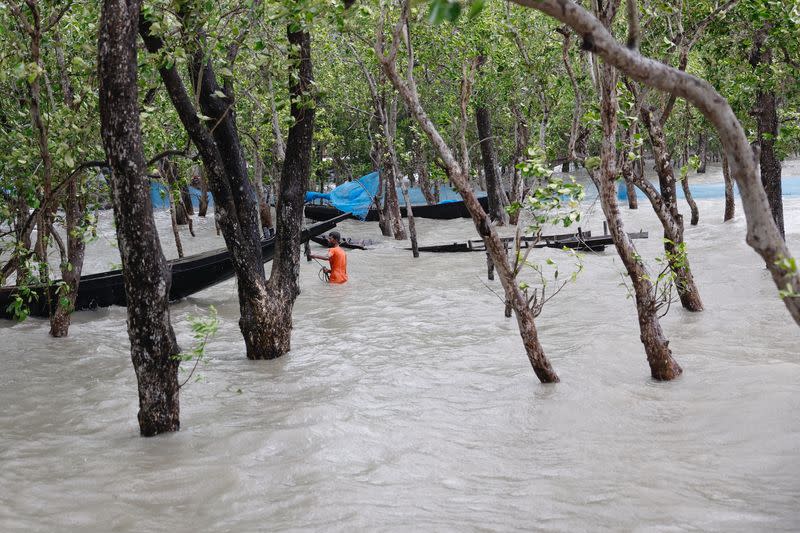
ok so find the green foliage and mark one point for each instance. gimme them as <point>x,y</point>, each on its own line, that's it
<point>552,199</point>
<point>203,329</point>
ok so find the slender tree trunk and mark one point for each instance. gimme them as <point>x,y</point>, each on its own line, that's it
<point>702,152</point>
<point>264,212</point>
<point>685,179</point>
<point>202,208</point>
<point>628,166</point>
<point>766,114</point>
<point>283,286</point>
<point>662,365</point>
<point>673,226</point>
<point>484,122</point>
<point>420,165</point>
<point>521,139</point>
<point>71,272</point>
<point>147,275</point>
<point>412,227</point>
<point>525,319</point>
<point>391,202</point>
<point>730,202</point>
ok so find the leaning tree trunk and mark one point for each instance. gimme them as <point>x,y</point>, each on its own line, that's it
<point>662,365</point>
<point>484,122</point>
<point>146,273</point>
<point>458,175</point>
<point>283,286</point>
<point>673,226</point>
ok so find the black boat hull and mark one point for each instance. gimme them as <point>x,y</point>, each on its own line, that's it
<point>445,211</point>
<point>189,275</point>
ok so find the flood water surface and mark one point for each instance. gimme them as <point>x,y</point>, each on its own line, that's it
<point>407,403</point>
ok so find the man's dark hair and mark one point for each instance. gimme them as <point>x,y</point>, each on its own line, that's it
<point>335,235</point>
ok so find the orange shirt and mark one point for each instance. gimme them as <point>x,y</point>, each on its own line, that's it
<point>338,260</point>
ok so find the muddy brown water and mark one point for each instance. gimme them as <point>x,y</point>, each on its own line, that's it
<point>407,403</point>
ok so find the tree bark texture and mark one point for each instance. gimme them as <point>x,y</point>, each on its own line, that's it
<point>497,212</point>
<point>283,286</point>
<point>762,232</point>
<point>147,275</point>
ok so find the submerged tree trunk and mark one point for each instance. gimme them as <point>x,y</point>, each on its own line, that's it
<point>673,224</point>
<point>521,138</point>
<point>496,205</point>
<point>234,197</point>
<point>202,208</point>
<point>702,152</point>
<point>687,192</point>
<point>391,201</point>
<point>71,272</point>
<point>147,275</point>
<point>662,365</point>
<point>407,89</point>
<point>766,114</point>
<point>283,286</point>
<point>730,201</point>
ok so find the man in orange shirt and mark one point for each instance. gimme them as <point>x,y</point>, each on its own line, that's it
<point>337,259</point>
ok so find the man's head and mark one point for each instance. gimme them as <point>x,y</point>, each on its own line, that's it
<point>334,237</point>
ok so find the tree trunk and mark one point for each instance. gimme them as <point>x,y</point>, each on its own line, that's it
<point>169,169</point>
<point>730,201</point>
<point>628,166</point>
<point>147,275</point>
<point>663,366</point>
<point>202,208</point>
<point>673,224</point>
<point>702,152</point>
<point>521,139</point>
<point>283,286</point>
<point>766,114</point>
<point>496,211</point>
<point>494,246</point>
<point>71,272</point>
<point>412,227</point>
<point>391,202</point>
<point>695,218</point>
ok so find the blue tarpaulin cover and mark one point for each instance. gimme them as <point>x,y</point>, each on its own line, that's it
<point>357,196</point>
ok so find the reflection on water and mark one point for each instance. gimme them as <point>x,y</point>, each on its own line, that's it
<point>407,403</point>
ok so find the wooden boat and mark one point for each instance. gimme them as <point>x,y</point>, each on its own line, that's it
<point>583,241</point>
<point>189,275</point>
<point>445,211</point>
